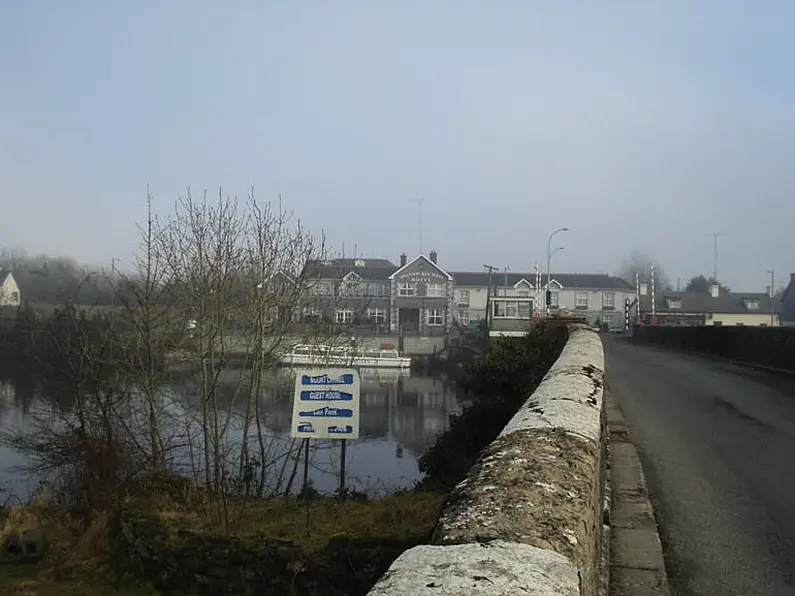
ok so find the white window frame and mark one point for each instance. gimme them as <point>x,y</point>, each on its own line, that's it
<point>407,290</point>
<point>462,297</point>
<point>435,290</point>
<point>752,304</point>
<point>525,313</point>
<point>609,300</point>
<point>376,315</point>
<point>464,317</point>
<point>434,317</point>
<point>577,302</point>
<point>343,317</point>
<point>674,303</point>
<point>554,299</point>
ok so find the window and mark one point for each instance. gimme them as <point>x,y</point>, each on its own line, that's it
<point>609,320</point>
<point>581,300</point>
<point>312,313</point>
<point>382,290</point>
<point>14,296</point>
<point>435,317</point>
<point>462,298</point>
<point>435,290</point>
<point>554,299</point>
<point>609,300</point>
<point>377,315</point>
<point>512,309</point>
<point>344,317</point>
<point>406,289</point>
<point>350,287</point>
<point>464,317</point>
<point>674,303</point>
<point>523,293</point>
<point>320,288</point>
<point>752,304</point>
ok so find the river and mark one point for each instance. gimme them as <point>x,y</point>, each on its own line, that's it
<point>400,417</point>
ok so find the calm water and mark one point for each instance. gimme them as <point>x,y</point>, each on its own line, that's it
<point>401,416</point>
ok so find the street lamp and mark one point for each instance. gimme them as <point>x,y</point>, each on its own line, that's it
<point>549,260</point>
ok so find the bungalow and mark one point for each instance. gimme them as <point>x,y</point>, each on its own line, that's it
<point>9,290</point>
<point>715,308</point>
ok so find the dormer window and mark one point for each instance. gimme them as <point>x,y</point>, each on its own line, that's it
<point>751,303</point>
<point>674,303</point>
<point>359,263</point>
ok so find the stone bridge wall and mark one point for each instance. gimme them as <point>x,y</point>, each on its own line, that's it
<point>528,519</point>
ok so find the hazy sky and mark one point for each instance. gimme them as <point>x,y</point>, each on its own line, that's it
<point>639,125</point>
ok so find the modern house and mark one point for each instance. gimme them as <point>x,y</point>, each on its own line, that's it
<point>514,298</point>
<point>9,290</point>
<point>714,308</point>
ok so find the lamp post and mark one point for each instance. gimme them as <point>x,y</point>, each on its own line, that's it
<point>549,260</point>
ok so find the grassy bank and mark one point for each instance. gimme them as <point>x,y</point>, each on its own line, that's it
<point>329,546</point>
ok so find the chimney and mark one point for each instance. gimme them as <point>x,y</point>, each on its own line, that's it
<point>433,256</point>
<point>714,290</point>
<point>644,289</point>
<point>403,259</point>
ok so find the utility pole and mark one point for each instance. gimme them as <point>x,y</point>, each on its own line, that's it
<point>505,287</point>
<point>419,202</point>
<point>715,237</point>
<point>490,269</point>
<point>772,298</point>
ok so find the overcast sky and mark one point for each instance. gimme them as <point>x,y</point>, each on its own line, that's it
<point>639,125</point>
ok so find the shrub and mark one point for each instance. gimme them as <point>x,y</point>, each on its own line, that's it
<point>500,380</point>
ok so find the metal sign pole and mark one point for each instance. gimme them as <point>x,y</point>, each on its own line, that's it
<point>342,472</point>
<point>306,465</point>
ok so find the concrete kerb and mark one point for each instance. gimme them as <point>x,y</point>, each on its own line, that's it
<point>534,498</point>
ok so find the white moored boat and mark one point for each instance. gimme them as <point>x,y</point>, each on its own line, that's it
<point>320,355</point>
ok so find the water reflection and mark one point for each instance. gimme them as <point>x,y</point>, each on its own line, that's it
<point>401,416</point>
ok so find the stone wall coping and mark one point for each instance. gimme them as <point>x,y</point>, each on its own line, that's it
<point>544,537</point>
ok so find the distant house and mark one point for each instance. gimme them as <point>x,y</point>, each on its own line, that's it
<point>716,308</point>
<point>9,290</point>
<point>788,302</point>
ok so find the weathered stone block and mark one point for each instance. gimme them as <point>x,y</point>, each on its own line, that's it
<point>497,568</point>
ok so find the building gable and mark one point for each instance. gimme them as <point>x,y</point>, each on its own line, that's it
<point>421,269</point>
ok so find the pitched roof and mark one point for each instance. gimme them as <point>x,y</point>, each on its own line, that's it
<point>368,269</point>
<point>733,303</point>
<point>590,281</point>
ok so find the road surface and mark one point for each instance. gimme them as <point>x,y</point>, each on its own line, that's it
<point>717,443</point>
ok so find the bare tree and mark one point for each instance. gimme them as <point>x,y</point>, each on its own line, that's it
<point>639,263</point>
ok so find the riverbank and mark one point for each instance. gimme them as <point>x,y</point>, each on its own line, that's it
<point>169,536</point>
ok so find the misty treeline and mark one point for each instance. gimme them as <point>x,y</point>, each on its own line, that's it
<point>209,262</point>
<point>52,280</point>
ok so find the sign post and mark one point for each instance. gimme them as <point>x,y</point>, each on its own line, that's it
<point>326,406</point>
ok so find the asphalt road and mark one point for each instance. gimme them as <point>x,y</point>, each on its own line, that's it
<point>717,443</point>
